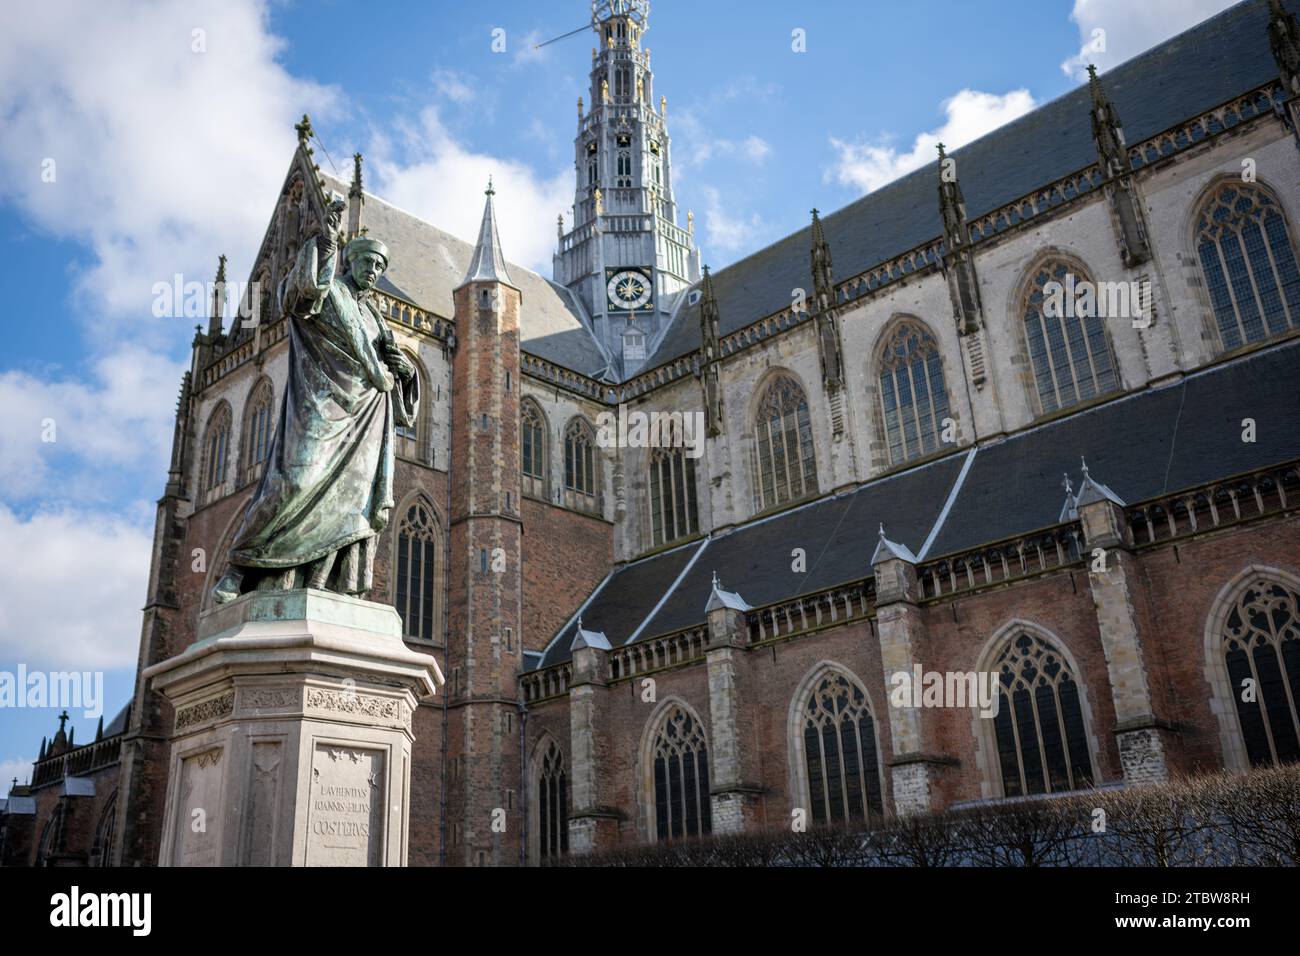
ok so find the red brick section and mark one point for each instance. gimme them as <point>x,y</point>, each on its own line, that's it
<point>485,655</point>
<point>1178,585</point>
<point>80,821</point>
<point>565,556</point>
<point>1184,581</point>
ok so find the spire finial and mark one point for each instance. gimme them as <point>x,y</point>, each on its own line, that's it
<point>221,268</point>
<point>1069,488</point>
<point>304,130</point>
<point>942,154</point>
<point>355,190</point>
<point>716,583</point>
<point>489,191</point>
<point>882,531</point>
<point>1083,461</point>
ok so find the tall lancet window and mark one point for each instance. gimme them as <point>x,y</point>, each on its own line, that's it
<point>1249,264</point>
<point>1041,738</point>
<point>913,397</point>
<point>1261,642</point>
<point>410,443</point>
<point>681,777</point>
<point>785,466</point>
<point>216,450</point>
<point>580,478</point>
<point>417,563</point>
<point>1068,348</point>
<point>673,509</point>
<point>259,428</point>
<point>552,805</point>
<point>841,765</point>
<point>533,440</point>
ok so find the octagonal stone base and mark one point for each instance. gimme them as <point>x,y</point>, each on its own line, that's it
<point>292,740</point>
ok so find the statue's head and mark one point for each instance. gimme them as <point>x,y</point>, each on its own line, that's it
<point>367,260</point>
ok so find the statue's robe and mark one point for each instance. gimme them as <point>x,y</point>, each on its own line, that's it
<point>327,488</point>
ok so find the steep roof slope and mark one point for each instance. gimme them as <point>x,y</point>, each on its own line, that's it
<point>1195,71</point>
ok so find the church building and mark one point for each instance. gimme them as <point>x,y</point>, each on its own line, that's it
<point>1030,411</point>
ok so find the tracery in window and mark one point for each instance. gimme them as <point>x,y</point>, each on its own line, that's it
<point>913,396</point>
<point>1261,646</point>
<point>1041,738</point>
<point>1249,264</point>
<point>681,777</point>
<point>1069,352</point>
<point>785,466</point>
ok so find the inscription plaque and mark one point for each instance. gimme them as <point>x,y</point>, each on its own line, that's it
<point>345,822</point>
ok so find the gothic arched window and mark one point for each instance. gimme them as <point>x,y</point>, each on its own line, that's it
<point>580,478</point>
<point>101,851</point>
<point>1261,644</point>
<point>673,510</point>
<point>1039,729</point>
<point>1069,352</point>
<point>681,777</point>
<point>417,565</point>
<point>259,429</point>
<point>410,443</point>
<point>785,467</point>
<point>913,397</point>
<point>532,442</point>
<point>552,805</point>
<point>839,749</point>
<point>1249,264</point>
<point>624,169</point>
<point>216,451</point>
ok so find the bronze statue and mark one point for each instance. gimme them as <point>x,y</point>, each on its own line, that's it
<point>327,488</point>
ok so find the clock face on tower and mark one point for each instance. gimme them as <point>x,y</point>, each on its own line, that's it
<point>628,289</point>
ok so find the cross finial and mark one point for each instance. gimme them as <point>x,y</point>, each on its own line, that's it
<point>304,129</point>
<point>63,719</point>
<point>941,152</point>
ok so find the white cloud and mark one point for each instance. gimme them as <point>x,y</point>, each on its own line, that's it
<point>121,420</point>
<point>73,600</point>
<point>1128,28</point>
<point>164,156</point>
<point>970,114</point>
<point>452,85</point>
<point>429,173</point>
<point>20,767</point>
<point>727,230</point>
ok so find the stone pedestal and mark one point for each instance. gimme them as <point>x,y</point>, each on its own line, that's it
<point>292,736</point>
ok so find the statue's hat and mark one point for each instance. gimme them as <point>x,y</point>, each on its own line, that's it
<point>365,244</point>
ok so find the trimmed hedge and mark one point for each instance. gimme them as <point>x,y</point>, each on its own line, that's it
<point>1220,819</point>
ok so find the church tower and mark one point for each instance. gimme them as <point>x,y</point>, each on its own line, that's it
<point>625,257</point>
<point>484,727</point>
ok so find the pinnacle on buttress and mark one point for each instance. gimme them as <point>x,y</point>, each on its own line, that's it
<point>487,263</point>
<point>821,264</point>
<point>218,298</point>
<point>1284,41</point>
<point>355,189</point>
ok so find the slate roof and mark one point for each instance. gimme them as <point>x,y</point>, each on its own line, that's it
<point>1143,445</point>
<point>428,264</point>
<point>1193,72</point>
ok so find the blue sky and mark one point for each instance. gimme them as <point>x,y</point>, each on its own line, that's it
<point>170,127</point>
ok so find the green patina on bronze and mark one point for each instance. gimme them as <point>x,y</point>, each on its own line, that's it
<point>327,489</point>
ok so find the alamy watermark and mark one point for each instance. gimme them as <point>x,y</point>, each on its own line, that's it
<point>636,429</point>
<point>68,690</point>
<point>1084,299</point>
<point>919,688</point>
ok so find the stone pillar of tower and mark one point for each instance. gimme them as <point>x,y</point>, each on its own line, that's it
<point>484,800</point>
<point>916,762</point>
<point>734,794</point>
<point>625,256</point>
<point>1142,737</point>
